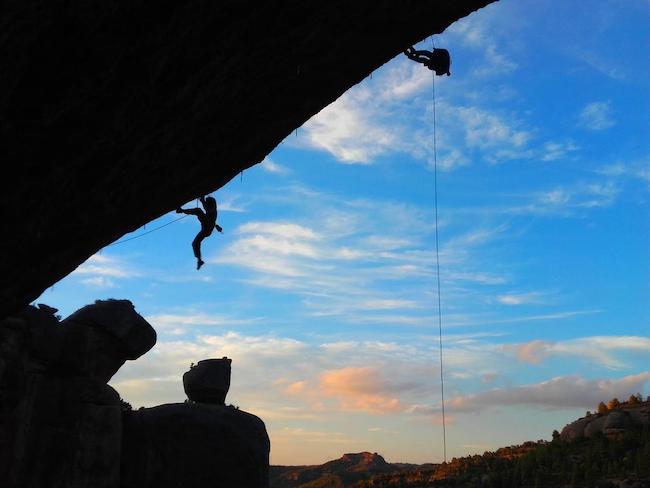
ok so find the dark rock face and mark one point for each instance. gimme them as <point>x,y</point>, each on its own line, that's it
<point>114,113</point>
<point>194,445</point>
<point>60,423</point>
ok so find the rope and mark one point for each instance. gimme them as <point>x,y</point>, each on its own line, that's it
<point>145,233</point>
<point>435,205</point>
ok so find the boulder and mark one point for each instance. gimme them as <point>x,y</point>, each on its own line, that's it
<point>208,381</point>
<point>194,445</point>
<point>119,319</point>
<point>99,338</point>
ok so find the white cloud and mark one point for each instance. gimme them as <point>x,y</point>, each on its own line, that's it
<point>229,204</point>
<point>639,170</point>
<point>175,321</point>
<point>349,129</point>
<point>104,265</point>
<point>271,166</point>
<point>569,201</point>
<point>597,116</point>
<point>520,298</point>
<point>99,281</point>
<point>475,32</point>
<point>104,271</point>
<point>552,151</point>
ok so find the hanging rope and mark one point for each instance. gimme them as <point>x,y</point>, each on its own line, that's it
<point>145,233</point>
<point>435,206</point>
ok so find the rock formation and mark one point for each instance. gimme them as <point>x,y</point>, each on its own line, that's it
<point>612,423</point>
<point>60,423</point>
<point>114,113</point>
<point>194,445</point>
<point>208,381</point>
<point>62,426</point>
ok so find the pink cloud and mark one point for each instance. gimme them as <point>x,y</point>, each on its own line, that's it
<point>360,389</point>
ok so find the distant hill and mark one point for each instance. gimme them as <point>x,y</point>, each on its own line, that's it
<point>338,473</point>
<point>609,449</point>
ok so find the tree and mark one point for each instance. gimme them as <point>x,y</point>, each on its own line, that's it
<point>602,408</point>
<point>633,400</point>
<point>613,403</point>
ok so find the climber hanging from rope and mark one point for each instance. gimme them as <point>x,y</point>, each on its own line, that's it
<point>208,220</point>
<point>437,60</point>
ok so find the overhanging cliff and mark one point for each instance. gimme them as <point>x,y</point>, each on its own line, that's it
<point>113,113</point>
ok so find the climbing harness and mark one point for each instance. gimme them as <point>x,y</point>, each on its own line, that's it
<point>438,62</point>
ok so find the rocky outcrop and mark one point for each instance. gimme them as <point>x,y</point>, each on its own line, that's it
<point>60,423</point>
<point>194,445</point>
<point>613,423</point>
<point>62,426</point>
<point>114,113</point>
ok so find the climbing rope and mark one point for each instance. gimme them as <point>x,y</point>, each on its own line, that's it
<point>435,207</point>
<point>145,233</point>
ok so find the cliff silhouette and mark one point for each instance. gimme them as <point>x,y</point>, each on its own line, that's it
<point>63,426</point>
<point>115,113</point>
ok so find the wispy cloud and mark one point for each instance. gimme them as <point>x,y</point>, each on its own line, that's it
<point>521,298</point>
<point>370,244</point>
<point>601,350</point>
<point>567,200</point>
<point>559,392</point>
<point>99,282</point>
<point>271,166</point>
<point>350,129</point>
<point>475,32</point>
<point>594,59</point>
<point>176,321</point>
<point>597,116</point>
<point>104,271</point>
<point>229,204</point>
<point>637,170</point>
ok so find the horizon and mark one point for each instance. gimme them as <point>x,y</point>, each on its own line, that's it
<point>322,288</point>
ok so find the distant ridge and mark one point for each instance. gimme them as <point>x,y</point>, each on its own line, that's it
<point>609,449</point>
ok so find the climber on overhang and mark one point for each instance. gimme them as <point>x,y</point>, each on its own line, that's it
<point>437,60</point>
<point>208,220</point>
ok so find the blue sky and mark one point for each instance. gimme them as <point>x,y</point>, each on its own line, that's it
<point>322,288</point>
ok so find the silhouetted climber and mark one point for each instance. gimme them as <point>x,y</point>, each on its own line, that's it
<point>437,60</point>
<point>208,221</point>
